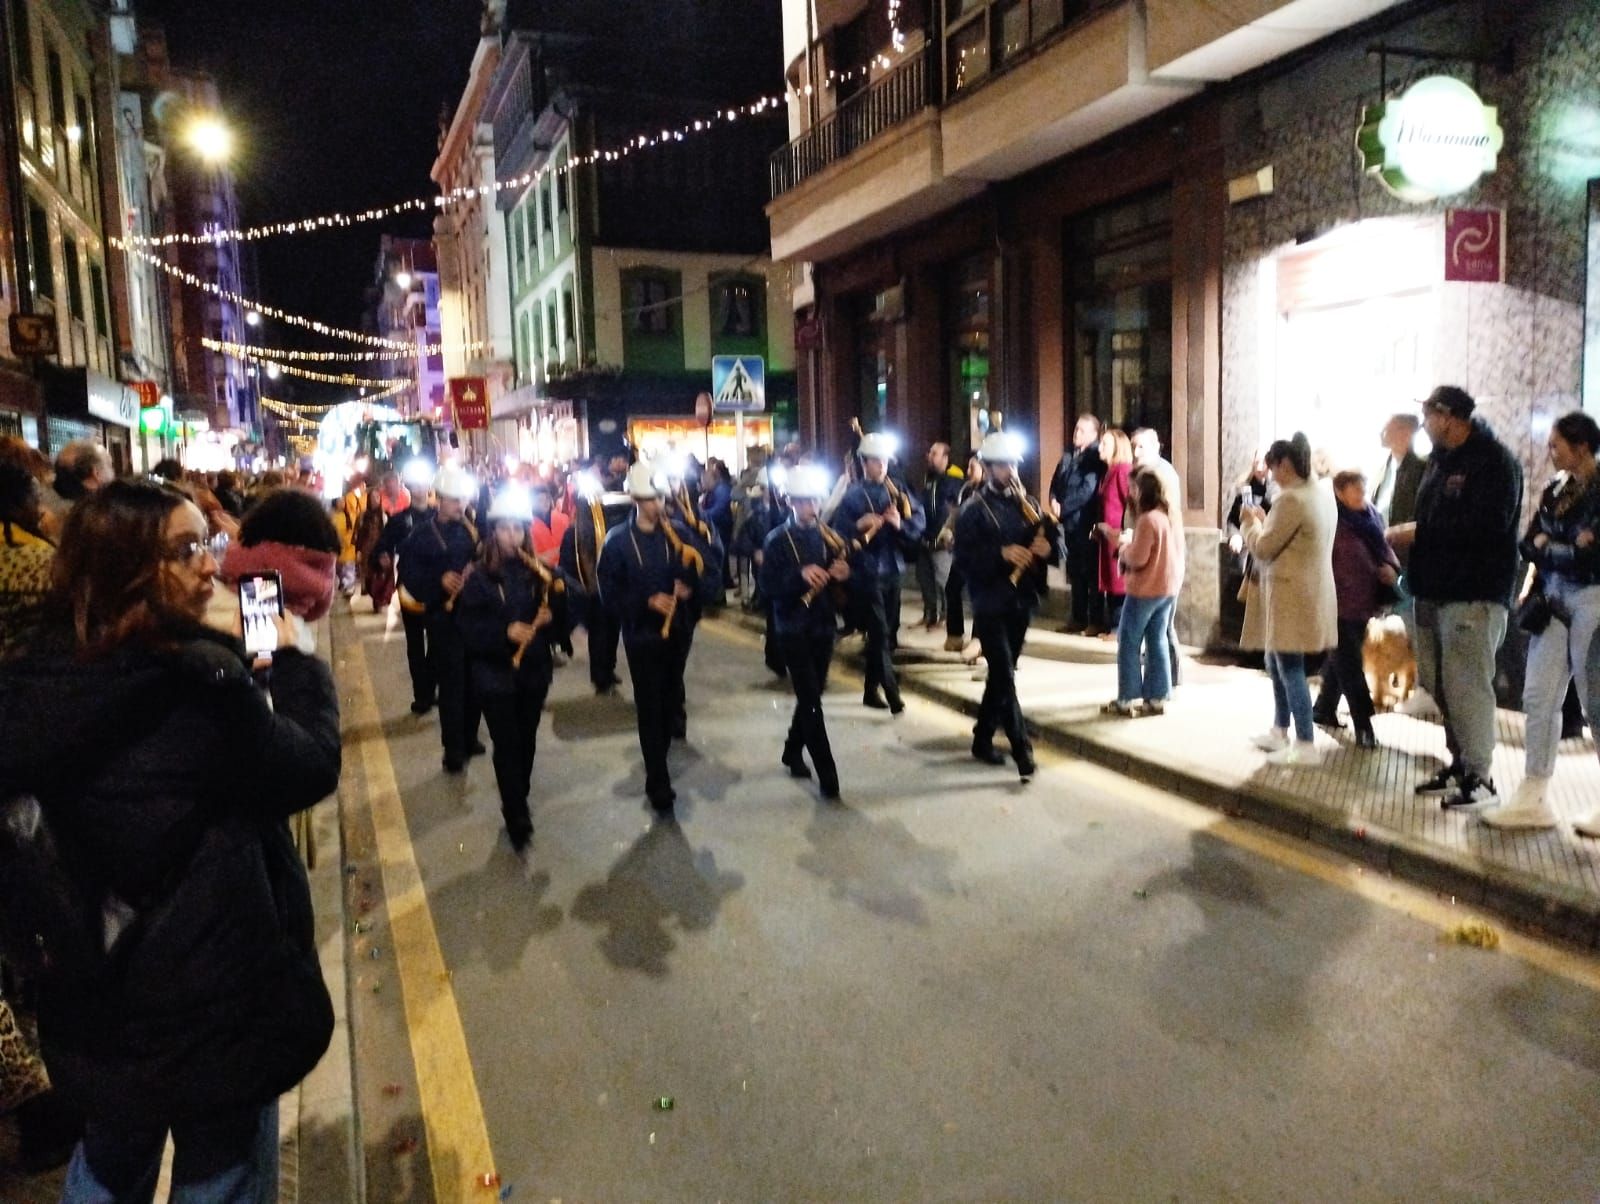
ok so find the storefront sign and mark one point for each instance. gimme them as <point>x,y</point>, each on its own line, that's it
<point>112,401</point>
<point>1437,139</point>
<point>469,403</point>
<point>33,334</point>
<point>149,393</point>
<point>1475,246</point>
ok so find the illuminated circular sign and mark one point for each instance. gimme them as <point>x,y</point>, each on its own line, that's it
<point>1435,140</point>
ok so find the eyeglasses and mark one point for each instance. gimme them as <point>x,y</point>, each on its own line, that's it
<point>189,552</point>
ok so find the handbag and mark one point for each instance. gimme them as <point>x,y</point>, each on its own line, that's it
<point>1534,613</point>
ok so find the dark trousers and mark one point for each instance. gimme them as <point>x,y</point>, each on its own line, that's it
<point>1106,613</point>
<point>650,665</point>
<point>226,1155</point>
<point>955,619</point>
<point>681,644</point>
<point>458,706</point>
<point>871,618</point>
<point>1001,637</point>
<point>1343,675</point>
<point>771,645</point>
<point>424,687</point>
<point>603,636</point>
<point>514,731</point>
<point>1083,579</point>
<point>809,658</point>
<point>891,609</point>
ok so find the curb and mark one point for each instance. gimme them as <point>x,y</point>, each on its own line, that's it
<point>1546,907</point>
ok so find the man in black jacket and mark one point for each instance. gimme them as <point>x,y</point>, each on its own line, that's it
<point>1462,572</point>
<point>1074,491</point>
<point>941,491</point>
<point>1395,494</point>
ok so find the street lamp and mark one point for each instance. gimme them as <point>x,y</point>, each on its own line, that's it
<point>209,138</point>
<point>273,371</point>
<point>252,318</point>
<point>403,279</point>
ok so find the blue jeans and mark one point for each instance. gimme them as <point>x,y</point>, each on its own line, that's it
<point>1291,694</point>
<point>1144,625</point>
<point>227,1159</point>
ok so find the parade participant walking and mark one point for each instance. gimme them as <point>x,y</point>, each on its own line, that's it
<point>1152,567</point>
<point>955,620</point>
<point>801,562</point>
<point>875,515</point>
<point>1074,492</point>
<point>397,529</point>
<point>513,612</point>
<point>1293,545</point>
<point>685,521</point>
<point>1003,544</point>
<point>161,764</point>
<point>940,498</point>
<point>1462,572</point>
<point>434,560</point>
<point>596,514</point>
<point>1563,615</point>
<point>646,572</point>
<point>768,510</point>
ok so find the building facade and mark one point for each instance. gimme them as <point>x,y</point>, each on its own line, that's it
<point>408,299</point>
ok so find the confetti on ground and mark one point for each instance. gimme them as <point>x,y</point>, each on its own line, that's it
<point>505,1192</point>
<point>1475,933</point>
<point>1141,893</point>
<point>664,1103</point>
<point>488,1179</point>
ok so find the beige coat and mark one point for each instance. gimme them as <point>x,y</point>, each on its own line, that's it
<point>1293,549</point>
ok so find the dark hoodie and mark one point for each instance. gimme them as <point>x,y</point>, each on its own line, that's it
<point>1468,509</point>
<point>169,777</point>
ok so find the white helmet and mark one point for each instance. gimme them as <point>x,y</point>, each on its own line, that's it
<point>642,484</point>
<point>809,481</point>
<point>878,446</point>
<point>456,482</point>
<point>1000,448</point>
<point>513,504</point>
<point>417,473</point>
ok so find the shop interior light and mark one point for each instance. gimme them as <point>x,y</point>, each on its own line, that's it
<point>417,472</point>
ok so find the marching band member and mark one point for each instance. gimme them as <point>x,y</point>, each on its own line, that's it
<point>876,515</point>
<point>597,512</point>
<point>682,513</point>
<point>392,533</point>
<point>646,572</point>
<point>434,560</point>
<point>513,611</point>
<point>1003,546</point>
<point>801,562</point>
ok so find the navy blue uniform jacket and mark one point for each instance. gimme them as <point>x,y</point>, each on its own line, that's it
<point>881,558</point>
<point>491,602</point>
<point>988,522</point>
<point>433,549</point>
<point>636,564</point>
<point>786,550</point>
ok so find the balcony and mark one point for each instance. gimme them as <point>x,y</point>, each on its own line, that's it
<point>898,96</point>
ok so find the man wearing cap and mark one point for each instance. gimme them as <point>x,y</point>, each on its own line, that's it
<point>646,573</point>
<point>875,515</point>
<point>424,689</point>
<point>434,561</point>
<point>801,561</point>
<point>1462,572</point>
<point>1003,554</point>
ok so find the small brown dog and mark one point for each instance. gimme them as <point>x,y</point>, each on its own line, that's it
<point>1390,665</point>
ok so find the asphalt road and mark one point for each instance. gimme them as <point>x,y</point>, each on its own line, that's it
<point>950,987</point>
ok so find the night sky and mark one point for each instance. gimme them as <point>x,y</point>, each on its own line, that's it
<point>335,106</point>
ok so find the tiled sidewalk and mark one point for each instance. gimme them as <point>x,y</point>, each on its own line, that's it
<point>1359,802</point>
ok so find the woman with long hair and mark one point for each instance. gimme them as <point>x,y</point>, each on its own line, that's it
<point>166,774</point>
<point>1152,568</point>
<point>1293,545</point>
<point>1116,487</point>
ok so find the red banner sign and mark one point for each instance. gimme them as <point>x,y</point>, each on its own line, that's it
<point>1475,246</point>
<point>149,393</point>
<point>469,403</point>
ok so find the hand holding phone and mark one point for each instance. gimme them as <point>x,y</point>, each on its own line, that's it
<point>260,607</point>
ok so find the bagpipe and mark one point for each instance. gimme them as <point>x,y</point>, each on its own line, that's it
<point>685,557</point>
<point>838,550</point>
<point>897,497</point>
<point>546,584</point>
<point>1038,524</point>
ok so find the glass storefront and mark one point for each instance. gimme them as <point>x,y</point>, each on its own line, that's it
<point>656,436</point>
<point>1119,288</point>
<point>874,363</point>
<point>968,307</point>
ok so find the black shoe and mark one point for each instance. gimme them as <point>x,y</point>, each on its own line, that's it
<point>661,803</point>
<point>1329,721</point>
<point>875,701</point>
<point>1366,738</point>
<point>830,792</point>
<point>1026,768</point>
<point>421,708</point>
<point>520,838</point>
<point>896,705</point>
<point>476,749</point>
<point>988,754</point>
<point>602,689</point>
<point>1439,783</point>
<point>454,766</point>
<point>1474,792</point>
<point>680,729</point>
<point>796,765</point>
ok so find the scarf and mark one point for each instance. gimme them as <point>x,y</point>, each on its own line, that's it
<point>1366,525</point>
<point>308,576</point>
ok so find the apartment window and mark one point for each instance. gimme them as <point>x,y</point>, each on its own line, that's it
<point>561,182</point>
<point>569,321</point>
<point>58,88</point>
<point>736,307</point>
<point>550,330</point>
<point>69,260</point>
<point>647,307</point>
<point>97,289</point>
<point>44,274</point>
<point>968,50</point>
<point>22,35</point>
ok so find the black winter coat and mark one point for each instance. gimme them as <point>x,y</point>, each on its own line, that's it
<point>491,602</point>
<point>1566,510</point>
<point>1468,508</point>
<point>170,777</point>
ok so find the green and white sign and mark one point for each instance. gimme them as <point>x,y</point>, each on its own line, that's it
<point>1436,139</point>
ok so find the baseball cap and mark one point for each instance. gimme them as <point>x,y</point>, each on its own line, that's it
<point>1450,399</point>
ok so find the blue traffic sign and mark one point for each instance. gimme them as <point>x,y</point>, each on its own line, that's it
<point>738,384</point>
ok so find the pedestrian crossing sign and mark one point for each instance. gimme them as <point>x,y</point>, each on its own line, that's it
<point>738,384</point>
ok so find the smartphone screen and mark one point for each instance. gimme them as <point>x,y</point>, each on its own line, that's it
<point>260,602</point>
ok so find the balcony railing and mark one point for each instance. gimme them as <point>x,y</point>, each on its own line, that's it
<point>900,95</point>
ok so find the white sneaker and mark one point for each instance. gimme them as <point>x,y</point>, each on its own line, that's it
<point>1528,811</point>
<point>1302,754</point>
<point>1419,706</point>
<point>1588,826</point>
<point>1274,739</point>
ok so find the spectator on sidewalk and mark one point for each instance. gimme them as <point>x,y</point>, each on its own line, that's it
<point>1365,570</point>
<point>1462,573</point>
<point>1561,549</point>
<point>25,554</point>
<point>941,494</point>
<point>1293,545</point>
<point>1074,492</point>
<point>1152,566</point>
<point>1395,495</point>
<point>955,626</point>
<point>1115,517</point>
<point>1147,457</point>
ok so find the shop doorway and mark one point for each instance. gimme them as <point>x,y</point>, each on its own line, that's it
<point>968,303</point>
<point>1119,290</point>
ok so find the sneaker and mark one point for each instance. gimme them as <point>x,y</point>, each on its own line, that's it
<point>1527,812</point>
<point>1439,783</point>
<point>1120,710</point>
<point>954,643</point>
<point>1274,739</point>
<point>1302,754</point>
<point>1151,707</point>
<point>1473,792</point>
<point>1588,826</point>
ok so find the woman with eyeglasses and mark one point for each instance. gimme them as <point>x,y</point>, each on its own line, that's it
<point>166,775</point>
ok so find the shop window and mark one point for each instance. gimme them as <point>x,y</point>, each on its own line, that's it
<point>550,331</point>
<point>737,305</point>
<point>968,304</point>
<point>874,346</point>
<point>1120,287</point>
<point>97,294</point>
<point>43,265</point>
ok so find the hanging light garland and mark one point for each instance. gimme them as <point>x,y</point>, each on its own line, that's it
<point>250,351</point>
<point>331,221</point>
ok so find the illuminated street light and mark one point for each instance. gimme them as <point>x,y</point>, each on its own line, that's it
<point>403,279</point>
<point>252,318</point>
<point>273,371</point>
<point>209,138</point>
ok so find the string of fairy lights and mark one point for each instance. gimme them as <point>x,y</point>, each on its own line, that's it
<point>280,354</point>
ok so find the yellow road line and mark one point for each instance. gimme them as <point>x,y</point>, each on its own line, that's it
<point>452,1113</point>
<point>1571,964</point>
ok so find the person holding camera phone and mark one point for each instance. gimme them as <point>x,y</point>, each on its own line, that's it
<point>1561,613</point>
